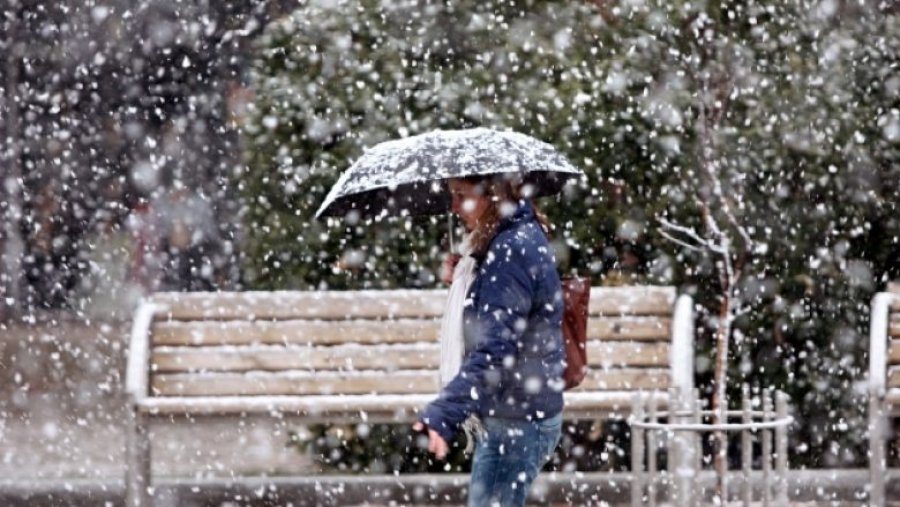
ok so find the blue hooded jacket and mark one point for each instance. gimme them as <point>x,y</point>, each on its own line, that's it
<point>512,326</point>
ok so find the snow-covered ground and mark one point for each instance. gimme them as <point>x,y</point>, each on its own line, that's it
<point>62,427</point>
<point>62,414</point>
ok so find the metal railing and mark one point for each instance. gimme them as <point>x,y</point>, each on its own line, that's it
<point>677,432</point>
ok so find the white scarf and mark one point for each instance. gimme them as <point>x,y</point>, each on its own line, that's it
<point>452,344</point>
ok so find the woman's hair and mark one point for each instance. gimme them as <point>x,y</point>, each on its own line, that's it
<point>500,189</point>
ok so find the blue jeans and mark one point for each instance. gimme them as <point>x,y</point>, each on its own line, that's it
<point>509,457</point>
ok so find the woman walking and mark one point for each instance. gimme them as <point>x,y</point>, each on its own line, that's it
<point>501,341</point>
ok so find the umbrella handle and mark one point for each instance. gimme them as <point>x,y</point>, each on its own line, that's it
<point>450,229</point>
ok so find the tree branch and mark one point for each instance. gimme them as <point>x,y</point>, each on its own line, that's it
<point>679,242</point>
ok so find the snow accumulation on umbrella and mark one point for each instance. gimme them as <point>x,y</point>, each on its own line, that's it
<point>398,172</point>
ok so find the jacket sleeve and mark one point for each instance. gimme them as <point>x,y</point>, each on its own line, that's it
<point>504,302</point>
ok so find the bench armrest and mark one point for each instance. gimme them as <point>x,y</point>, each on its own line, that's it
<point>878,341</point>
<point>138,351</point>
<point>682,352</point>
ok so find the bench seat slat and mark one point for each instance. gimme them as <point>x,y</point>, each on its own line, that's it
<point>371,331</point>
<point>363,382</point>
<point>383,408</point>
<point>368,357</point>
<point>340,305</point>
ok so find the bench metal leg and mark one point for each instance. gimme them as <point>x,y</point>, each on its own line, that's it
<point>877,465</point>
<point>137,475</point>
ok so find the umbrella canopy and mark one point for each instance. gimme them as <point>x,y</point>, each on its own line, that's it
<point>409,175</point>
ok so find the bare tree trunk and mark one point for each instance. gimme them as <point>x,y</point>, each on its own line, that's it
<point>724,237</point>
<point>720,402</point>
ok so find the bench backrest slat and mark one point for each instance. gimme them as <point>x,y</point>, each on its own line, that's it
<point>893,378</point>
<point>355,357</point>
<point>893,335</point>
<point>375,304</point>
<point>370,331</point>
<point>363,342</point>
<point>364,382</point>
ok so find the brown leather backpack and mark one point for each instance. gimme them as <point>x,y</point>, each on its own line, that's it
<point>576,297</point>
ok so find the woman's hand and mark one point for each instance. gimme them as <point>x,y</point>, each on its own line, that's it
<point>448,266</point>
<point>436,443</point>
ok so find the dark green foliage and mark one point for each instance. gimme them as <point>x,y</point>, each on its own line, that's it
<point>390,448</point>
<point>809,151</point>
<point>376,449</point>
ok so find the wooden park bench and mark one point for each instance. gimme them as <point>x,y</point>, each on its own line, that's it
<point>332,356</point>
<point>884,383</point>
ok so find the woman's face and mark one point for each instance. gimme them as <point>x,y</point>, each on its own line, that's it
<point>468,200</point>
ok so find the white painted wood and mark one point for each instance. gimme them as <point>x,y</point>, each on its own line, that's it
<point>781,451</point>
<point>766,449</point>
<point>673,451</point>
<point>682,457</point>
<point>136,370</point>
<point>878,342</point>
<point>682,360</point>
<point>637,453</point>
<point>696,442</point>
<point>652,476</point>
<point>137,473</point>
<point>348,408</point>
<point>877,462</point>
<point>746,450</point>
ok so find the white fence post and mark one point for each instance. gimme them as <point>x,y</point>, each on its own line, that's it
<point>781,450</point>
<point>766,449</point>
<point>746,449</point>
<point>683,424</point>
<point>651,452</point>
<point>637,452</point>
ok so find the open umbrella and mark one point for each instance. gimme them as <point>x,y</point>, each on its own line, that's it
<point>408,176</point>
